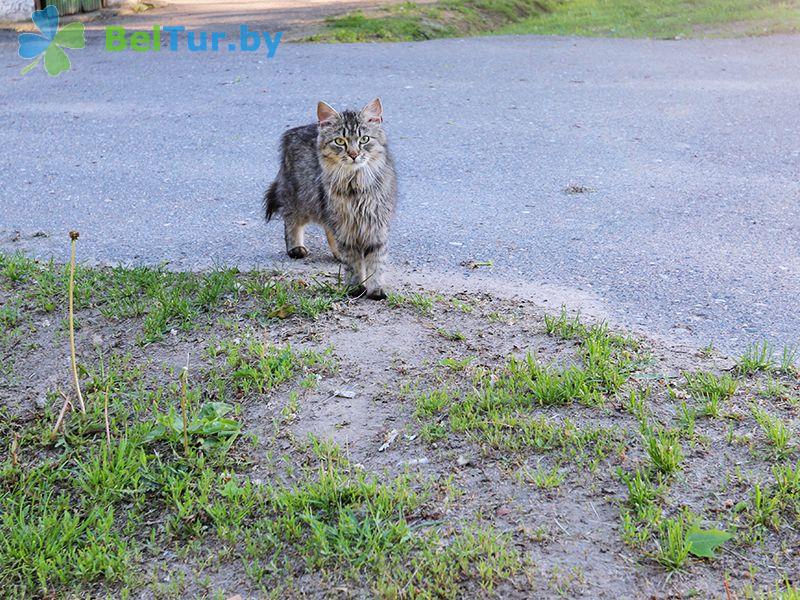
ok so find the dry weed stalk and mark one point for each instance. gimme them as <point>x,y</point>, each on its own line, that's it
<point>184,409</point>
<point>728,594</point>
<point>66,406</point>
<point>105,414</point>
<point>14,448</point>
<point>73,236</point>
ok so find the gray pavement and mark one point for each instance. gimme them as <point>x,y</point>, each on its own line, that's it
<point>689,150</point>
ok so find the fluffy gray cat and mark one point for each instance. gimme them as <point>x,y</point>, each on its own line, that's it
<point>338,172</point>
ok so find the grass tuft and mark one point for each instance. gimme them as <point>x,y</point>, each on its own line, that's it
<point>778,433</point>
<point>664,449</point>
<point>710,390</point>
<point>665,19</point>
<point>759,356</point>
<point>672,547</point>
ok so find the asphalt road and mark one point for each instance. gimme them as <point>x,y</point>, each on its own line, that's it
<point>688,149</point>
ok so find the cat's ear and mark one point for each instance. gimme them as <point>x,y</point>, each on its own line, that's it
<point>325,113</point>
<point>373,112</point>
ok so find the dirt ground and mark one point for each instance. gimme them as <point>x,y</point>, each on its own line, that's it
<point>558,503</point>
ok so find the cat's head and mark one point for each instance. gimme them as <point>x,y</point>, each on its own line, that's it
<point>351,139</point>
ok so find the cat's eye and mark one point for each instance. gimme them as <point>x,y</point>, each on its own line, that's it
<point>340,141</point>
<point>364,139</point>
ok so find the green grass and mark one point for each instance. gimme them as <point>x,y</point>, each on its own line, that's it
<point>341,520</point>
<point>766,507</point>
<point>777,432</point>
<point>541,478</point>
<point>410,21</point>
<point>498,410</point>
<point>71,504</point>
<point>661,18</point>
<point>788,360</point>
<point>79,512</point>
<point>167,301</point>
<point>460,305</point>
<point>672,548</point>
<point>564,326</point>
<point>432,403</point>
<point>10,316</point>
<point>636,403</point>
<point>255,366</point>
<point>341,517</point>
<point>456,364</point>
<point>58,525</point>
<point>784,591</point>
<point>451,334</point>
<point>710,390</point>
<point>759,356</point>
<point>439,567</point>
<point>642,492</point>
<point>669,19</point>
<point>664,450</point>
<point>687,417</point>
<point>774,388</point>
<point>83,517</point>
<point>49,544</point>
<point>702,384</point>
<point>771,503</point>
<point>420,303</point>
<point>644,526</point>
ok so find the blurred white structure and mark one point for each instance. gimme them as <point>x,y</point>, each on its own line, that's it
<point>16,10</point>
<point>20,10</point>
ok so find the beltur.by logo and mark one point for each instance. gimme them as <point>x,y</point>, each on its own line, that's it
<point>176,37</point>
<point>51,43</point>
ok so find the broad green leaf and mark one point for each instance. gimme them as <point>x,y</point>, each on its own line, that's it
<point>703,542</point>
<point>177,424</point>
<point>71,36</point>
<point>221,427</point>
<point>210,427</point>
<point>55,61</point>
<point>157,433</point>
<point>213,410</point>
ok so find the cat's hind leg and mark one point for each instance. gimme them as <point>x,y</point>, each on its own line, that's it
<point>293,231</point>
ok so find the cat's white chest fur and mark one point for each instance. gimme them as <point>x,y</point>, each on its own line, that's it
<point>358,215</point>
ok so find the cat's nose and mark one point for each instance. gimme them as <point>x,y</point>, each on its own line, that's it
<point>352,154</point>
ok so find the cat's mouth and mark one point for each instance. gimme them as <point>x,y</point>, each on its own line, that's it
<point>358,161</point>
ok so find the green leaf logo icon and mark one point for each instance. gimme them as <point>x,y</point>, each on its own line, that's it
<point>51,42</point>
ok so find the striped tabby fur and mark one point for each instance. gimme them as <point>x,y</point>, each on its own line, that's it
<point>339,173</point>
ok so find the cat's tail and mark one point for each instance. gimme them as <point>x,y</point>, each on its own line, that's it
<point>272,201</point>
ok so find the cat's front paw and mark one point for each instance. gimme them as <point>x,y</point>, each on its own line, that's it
<point>376,294</point>
<point>298,252</point>
<point>356,291</point>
